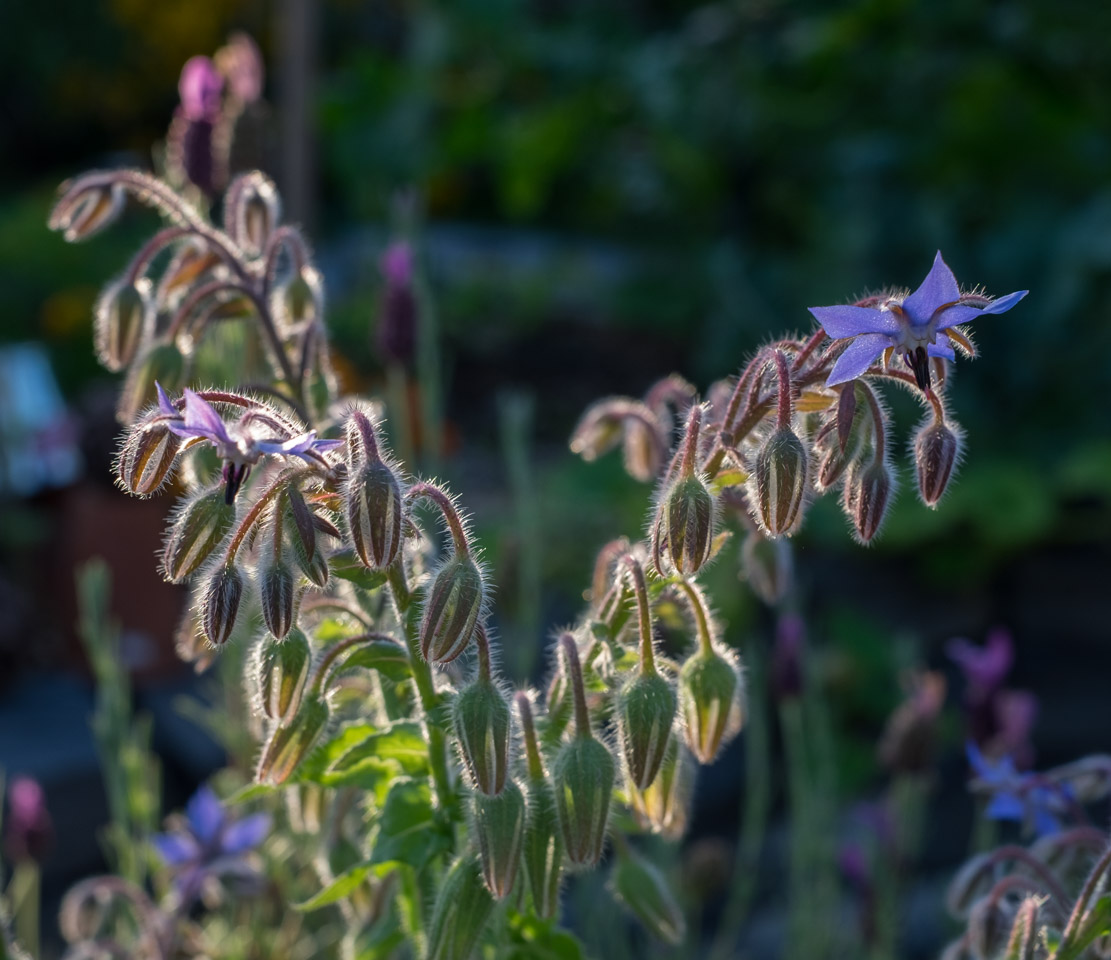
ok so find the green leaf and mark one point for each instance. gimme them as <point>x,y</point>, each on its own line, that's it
<point>345,884</point>
<point>317,764</point>
<point>729,477</point>
<point>387,657</point>
<point>409,827</point>
<point>251,791</point>
<point>536,939</point>
<point>347,566</point>
<point>402,741</point>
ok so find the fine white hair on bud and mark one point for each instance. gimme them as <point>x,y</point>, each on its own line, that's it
<point>937,450</point>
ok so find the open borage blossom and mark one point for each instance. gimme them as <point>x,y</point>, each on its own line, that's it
<point>917,327</point>
<point>1031,799</point>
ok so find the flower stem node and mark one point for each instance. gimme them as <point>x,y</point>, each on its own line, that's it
<point>463,905</point>
<point>480,715</point>
<point>643,890</point>
<point>451,611</point>
<point>685,525</point>
<point>499,823</point>
<point>292,739</point>
<point>198,529</point>
<point>937,451</point>
<point>219,606</point>
<point>283,669</point>
<point>710,699</point>
<point>123,317</point>
<point>645,710</point>
<point>779,482</point>
<point>583,777</point>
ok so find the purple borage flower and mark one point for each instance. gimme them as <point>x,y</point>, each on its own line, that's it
<point>208,843</point>
<point>240,444</point>
<point>1027,798</point>
<point>917,327</point>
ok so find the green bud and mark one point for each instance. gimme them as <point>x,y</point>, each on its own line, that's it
<point>937,450</point>
<point>463,905</point>
<point>123,316</point>
<point>866,496</point>
<point>451,611</point>
<point>710,700</point>
<point>252,210</point>
<point>277,594</point>
<point>219,605</point>
<point>645,709</point>
<point>83,212</point>
<point>161,361</point>
<point>543,853</point>
<point>499,825</point>
<point>291,740</point>
<point>283,669</point>
<point>779,482</point>
<point>480,715</point>
<point>374,514</point>
<point>147,458</point>
<point>686,519</point>
<point>642,889</point>
<point>582,781</point>
<point>199,527</point>
<point>664,807</point>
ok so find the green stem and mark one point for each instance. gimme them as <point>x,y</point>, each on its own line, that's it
<point>640,591</point>
<point>701,617</point>
<point>578,691</point>
<point>439,497</point>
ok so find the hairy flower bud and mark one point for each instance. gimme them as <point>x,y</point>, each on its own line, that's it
<point>582,778</point>
<point>644,891</point>
<point>989,926</point>
<point>161,361</point>
<point>219,602</point>
<point>685,522</point>
<point>463,905</point>
<point>480,715</point>
<point>123,315</point>
<point>198,528</point>
<point>278,595</point>
<point>710,695</point>
<point>599,430</point>
<point>767,567</point>
<point>451,610</point>
<point>374,514</point>
<point>644,453</point>
<point>252,210</point>
<point>937,451</point>
<point>499,825</point>
<point>301,300</point>
<point>146,458</point>
<point>867,493</point>
<point>283,669</point>
<point>85,212</point>
<point>645,709</point>
<point>664,807</point>
<point>543,848</point>
<point>292,739</point>
<point>779,482</point>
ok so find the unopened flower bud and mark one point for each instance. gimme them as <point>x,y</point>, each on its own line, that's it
<point>161,361</point>
<point>767,566</point>
<point>146,458</point>
<point>292,739</point>
<point>480,715</point>
<point>123,315</point>
<point>374,513</point>
<point>84,213</point>
<point>645,710</point>
<point>278,595</point>
<point>463,905</point>
<point>302,299</point>
<point>219,603</point>
<point>499,824</point>
<point>252,209</point>
<point>710,696</point>
<point>543,850</point>
<point>686,524</point>
<point>599,430</point>
<point>644,454</point>
<point>644,891</point>
<point>779,482</point>
<point>664,807</point>
<point>283,668</point>
<point>989,926</point>
<point>451,611</point>
<point>937,450</point>
<point>866,496</point>
<point>582,779</point>
<point>200,525</point>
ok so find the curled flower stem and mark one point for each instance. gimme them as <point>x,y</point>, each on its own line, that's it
<point>816,339</point>
<point>701,616</point>
<point>935,402</point>
<point>877,421</point>
<point>482,642</point>
<point>607,556</point>
<point>783,414</point>
<point>283,237</point>
<point>252,515</point>
<point>528,730</point>
<point>153,247</point>
<point>578,691</point>
<point>437,495</point>
<point>1091,886</point>
<point>640,591</point>
<point>309,604</point>
<point>690,445</point>
<point>323,675</point>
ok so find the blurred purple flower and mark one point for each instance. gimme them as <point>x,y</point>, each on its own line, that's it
<point>200,88</point>
<point>1015,713</point>
<point>984,668</point>
<point>209,843</point>
<point>28,830</point>
<point>1026,798</point>
<point>913,326</point>
<point>397,315</point>
<point>241,62</point>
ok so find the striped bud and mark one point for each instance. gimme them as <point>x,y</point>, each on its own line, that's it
<point>451,611</point>
<point>644,454</point>
<point>292,740</point>
<point>147,458</point>
<point>866,496</point>
<point>463,905</point>
<point>252,209</point>
<point>543,852</point>
<point>219,603</point>
<point>480,715</point>
<point>937,450</point>
<point>686,518</point>
<point>710,701</point>
<point>778,482</point>
<point>158,361</point>
<point>283,668</point>
<point>644,892</point>
<point>81,214</point>
<point>499,825</point>
<point>374,514</point>
<point>582,778</point>
<point>767,567</point>
<point>199,527</point>
<point>664,807</point>
<point>645,710</point>
<point>277,594</point>
<point>123,314</point>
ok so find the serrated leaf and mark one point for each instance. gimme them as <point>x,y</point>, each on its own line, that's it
<point>402,741</point>
<point>347,566</point>
<point>345,884</point>
<point>409,828</point>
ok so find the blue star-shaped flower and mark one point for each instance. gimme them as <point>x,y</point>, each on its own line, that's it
<point>916,327</point>
<point>1025,798</point>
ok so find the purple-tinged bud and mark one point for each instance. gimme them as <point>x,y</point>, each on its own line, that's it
<point>499,825</point>
<point>644,892</point>
<point>397,311</point>
<point>240,61</point>
<point>463,905</point>
<point>219,603</point>
<point>644,454</point>
<point>598,431</point>
<point>28,829</point>
<point>283,669</point>
<point>768,567</point>
<point>159,361</point>
<point>867,493</point>
<point>778,482</point>
<point>989,926</point>
<point>645,710</point>
<point>543,850</point>
<point>664,807</point>
<point>252,211</point>
<point>303,525</point>
<point>291,740</point>
<point>451,611</point>
<point>582,779</point>
<point>277,594</point>
<point>710,700</point>
<point>937,451</point>
<point>199,527</point>
<point>84,213</point>
<point>200,88</point>
<point>686,524</point>
<point>480,715</point>
<point>123,316</point>
<point>372,497</point>
<point>146,458</point>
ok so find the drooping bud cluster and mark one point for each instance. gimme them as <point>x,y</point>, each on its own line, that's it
<point>683,531</point>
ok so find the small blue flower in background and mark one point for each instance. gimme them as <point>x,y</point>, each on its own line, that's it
<point>1025,798</point>
<point>917,327</point>
<point>209,843</point>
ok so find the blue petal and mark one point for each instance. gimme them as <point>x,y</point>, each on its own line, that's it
<point>206,814</point>
<point>292,447</point>
<point>939,287</point>
<point>245,834</point>
<point>1045,822</point>
<point>1003,304</point>
<point>965,313</point>
<point>850,321</point>
<point>942,348</point>
<point>201,417</point>
<point>976,760</point>
<point>1005,806</point>
<point>175,848</point>
<point>858,357</point>
<point>165,404</point>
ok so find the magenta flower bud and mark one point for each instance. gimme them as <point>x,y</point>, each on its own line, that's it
<point>451,611</point>
<point>645,710</point>
<point>644,892</point>
<point>123,316</point>
<point>252,211</point>
<point>710,697</point>
<point>147,457</point>
<point>277,594</point>
<point>28,829</point>
<point>240,61</point>
<point>292,740</point>
<point>867,494</point>
<point>283,669</point>
<point>161,362</point>
<point>463,905</point>
<point>397,312</point>
<point>219,604</point>
<point>664,807</point>
<point>685,521</point>
<point>499,826</point>
<point>198,528</point>
<point>85,212</point>
<point>767,567</point>
<point>480,716</point>
<point>372,497</point>
<point>582,778</point>
<point>779,482</point>
<point>937,451</point>
<point>200,88</point>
